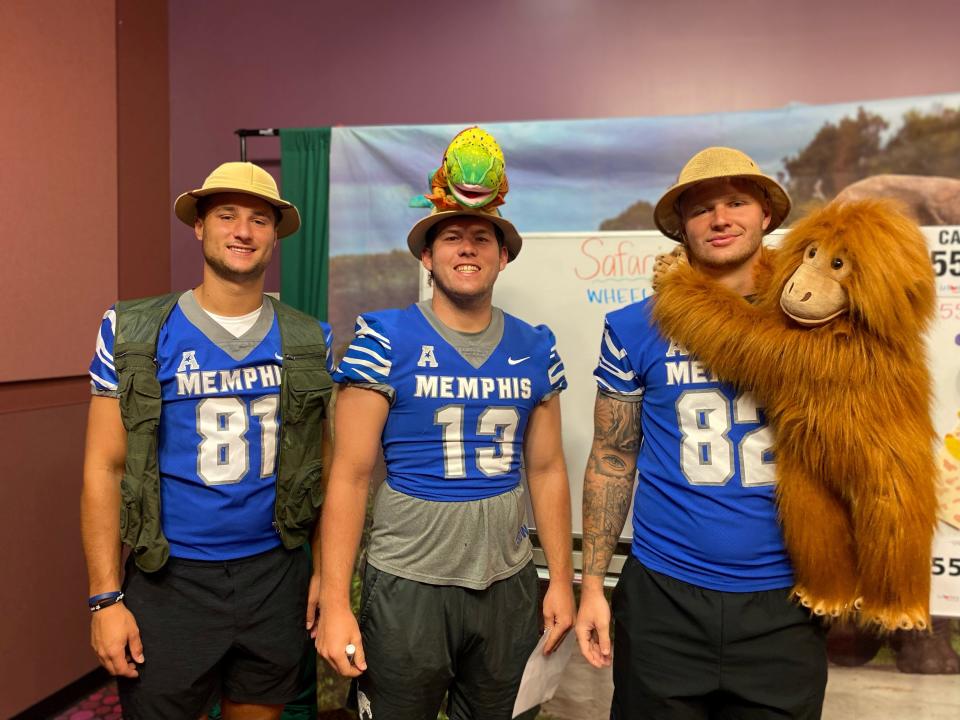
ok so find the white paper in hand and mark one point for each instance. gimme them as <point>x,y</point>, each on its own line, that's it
<point>541,676</point>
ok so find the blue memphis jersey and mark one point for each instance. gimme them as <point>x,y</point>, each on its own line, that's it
<point>219,429</point>
<point>454,431</point>
<point>703,511</point>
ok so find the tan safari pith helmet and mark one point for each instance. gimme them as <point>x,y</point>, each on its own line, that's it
<point>240,177</point>
<point>417,238</point>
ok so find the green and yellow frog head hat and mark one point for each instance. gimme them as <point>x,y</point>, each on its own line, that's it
<point>471,181</point>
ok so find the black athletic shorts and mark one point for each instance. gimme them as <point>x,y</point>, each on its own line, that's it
<point>684,652</point>
<point>234,629</point>
<point>422,641</point>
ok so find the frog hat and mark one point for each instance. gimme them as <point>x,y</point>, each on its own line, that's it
<point>471,181</point>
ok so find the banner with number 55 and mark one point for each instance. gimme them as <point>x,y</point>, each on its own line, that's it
<point>944,349</point>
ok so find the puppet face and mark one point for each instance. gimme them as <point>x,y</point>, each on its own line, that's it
<point>885,273</point>
<point>815,294</point>
<point>475,167</point>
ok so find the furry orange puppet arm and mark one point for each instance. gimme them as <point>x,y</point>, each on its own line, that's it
<point>739,342</point>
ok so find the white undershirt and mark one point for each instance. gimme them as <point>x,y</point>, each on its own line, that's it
<point>236,325</point>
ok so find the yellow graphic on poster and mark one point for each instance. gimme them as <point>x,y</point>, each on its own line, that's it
<point>949,495</point>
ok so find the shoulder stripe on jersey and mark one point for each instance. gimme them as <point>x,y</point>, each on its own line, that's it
<point>618,353</point>
<point>105,357</point>
<point>111,315</point>
<point>353,362</point>
<point>617,391</point>
<point>328,341</point>
<point>363,329</point>
<point>616,371</point>
<point>361,373</point>
<point>104,383</point>
<point>360,348</point>
<point>556,373</point>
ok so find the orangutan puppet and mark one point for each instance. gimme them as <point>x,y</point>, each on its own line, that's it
<point>833,348</point>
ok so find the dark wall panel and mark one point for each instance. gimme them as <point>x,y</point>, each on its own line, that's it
<point>43,586</point>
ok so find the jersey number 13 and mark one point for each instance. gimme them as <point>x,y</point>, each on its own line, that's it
<point>496,422</point>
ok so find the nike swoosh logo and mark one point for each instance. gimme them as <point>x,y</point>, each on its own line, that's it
<point>278,356</point>
<point>511,361</point>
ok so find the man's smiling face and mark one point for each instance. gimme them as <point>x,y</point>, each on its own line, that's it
<point>239,233</point>
<point>465,259</point>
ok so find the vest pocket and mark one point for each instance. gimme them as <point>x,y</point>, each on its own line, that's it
<point>140,487</point>
<point>129,513</point>
<point>305,497</point>
<point>309,391</point>
<point>140,401</point>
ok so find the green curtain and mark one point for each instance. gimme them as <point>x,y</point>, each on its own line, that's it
<point>304,273</point>
<point>305,255</point>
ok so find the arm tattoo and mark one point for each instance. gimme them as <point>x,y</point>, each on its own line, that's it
<point>608,481</point>
<point>616,424</point>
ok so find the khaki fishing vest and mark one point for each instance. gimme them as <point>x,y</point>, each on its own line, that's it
<point>305,387</point>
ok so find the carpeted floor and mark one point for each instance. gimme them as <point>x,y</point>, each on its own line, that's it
<point>103,704</point>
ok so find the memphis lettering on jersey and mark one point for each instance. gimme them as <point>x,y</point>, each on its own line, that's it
<point>191,380</point>
<point>475,388</point>
<point>685,372</point>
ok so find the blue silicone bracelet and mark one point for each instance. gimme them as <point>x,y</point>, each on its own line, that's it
<point>101,597</point>
<point>106,603</point>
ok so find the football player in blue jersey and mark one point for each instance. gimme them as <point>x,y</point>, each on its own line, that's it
<point>460,396</point>
<point>214,597</point>
<point>704,625</point>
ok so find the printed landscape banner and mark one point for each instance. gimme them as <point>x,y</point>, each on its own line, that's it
<point>597,180</point>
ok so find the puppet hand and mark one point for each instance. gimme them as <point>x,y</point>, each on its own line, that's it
<point>666,263</point>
